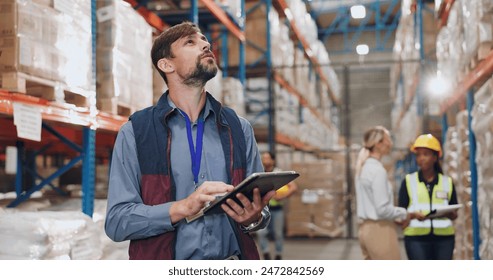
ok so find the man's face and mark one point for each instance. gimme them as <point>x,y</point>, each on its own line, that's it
<point>193,61</point>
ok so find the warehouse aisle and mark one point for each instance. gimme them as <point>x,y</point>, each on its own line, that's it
<point>325,249</point>
<point>295,248</point>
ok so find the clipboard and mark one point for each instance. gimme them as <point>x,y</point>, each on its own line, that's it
<point>265,181</point>
<point>442,211</point>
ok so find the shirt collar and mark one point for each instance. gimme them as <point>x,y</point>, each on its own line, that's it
<point>206,111</point>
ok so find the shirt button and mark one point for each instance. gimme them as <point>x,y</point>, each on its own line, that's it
<point>202,176</point>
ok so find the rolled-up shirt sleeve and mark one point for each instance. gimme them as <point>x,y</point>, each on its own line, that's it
<point>127,217</point>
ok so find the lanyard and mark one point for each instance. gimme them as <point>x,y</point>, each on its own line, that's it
<point>195,153</point>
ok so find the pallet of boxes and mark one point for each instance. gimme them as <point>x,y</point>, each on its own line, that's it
<point>318,208</point>
<point>124,66</point>
<point>45,50</point>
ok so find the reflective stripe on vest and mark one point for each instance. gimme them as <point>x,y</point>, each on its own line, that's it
<point>419,200</point>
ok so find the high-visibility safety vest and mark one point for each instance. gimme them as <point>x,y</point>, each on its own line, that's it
<point>419,200</point>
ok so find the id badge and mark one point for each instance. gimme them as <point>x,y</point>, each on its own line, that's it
<point>442,195</point>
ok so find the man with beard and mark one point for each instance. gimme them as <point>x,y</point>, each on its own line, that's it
<point>173,158</point>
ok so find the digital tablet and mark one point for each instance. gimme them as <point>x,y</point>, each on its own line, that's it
<point>265,181</point>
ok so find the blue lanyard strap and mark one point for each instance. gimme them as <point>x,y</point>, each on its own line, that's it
<point>195,153</point>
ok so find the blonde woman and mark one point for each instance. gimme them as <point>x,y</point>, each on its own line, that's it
<point>375,200</point>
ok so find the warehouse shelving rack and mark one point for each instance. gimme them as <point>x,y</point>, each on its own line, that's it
<point>415,95</point>
<point>86,132</point>
<point>273,135</point>
<point>465,90</point>
<point>68,124</point>
<point>284,10</point>
<point>72,120</point>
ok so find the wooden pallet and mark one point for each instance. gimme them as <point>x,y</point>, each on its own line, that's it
<point>114,106</point>
<point>44,88</point>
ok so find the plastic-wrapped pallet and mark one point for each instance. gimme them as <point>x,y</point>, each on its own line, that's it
<point>40,38</point>
<point>257,101</point>
<point>233,95</point>
<point>48,235</point>
<point>287,112</point>
<point>456,165</point>
<point>124,66</point>
<point>482,125</point>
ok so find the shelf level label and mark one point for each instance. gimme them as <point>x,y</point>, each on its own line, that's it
<point>27,120</point>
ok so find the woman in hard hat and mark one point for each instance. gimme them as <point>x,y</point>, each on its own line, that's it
<point>427,189</point>
<point>375,199</point>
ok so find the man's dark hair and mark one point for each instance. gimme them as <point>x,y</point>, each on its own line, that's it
<point>161,47</point>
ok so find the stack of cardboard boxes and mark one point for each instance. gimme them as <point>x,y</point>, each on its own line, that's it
<point>45,47</point>
<point>318,209</point>
<point>124,66</point>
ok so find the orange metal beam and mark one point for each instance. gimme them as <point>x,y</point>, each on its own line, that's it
<point>104,140</point>
<point>109,122</point>
<point>224,19</point>
<point>286,140</point>
<point>151,18</point>
<point>482,72</point>
<point>65,113</point>
<point>444,12</point>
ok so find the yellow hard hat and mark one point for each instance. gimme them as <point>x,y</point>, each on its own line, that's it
<point>427,141</point>
<point>283,190</point>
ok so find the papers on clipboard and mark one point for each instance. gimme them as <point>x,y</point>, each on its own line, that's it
<point>443,210</point>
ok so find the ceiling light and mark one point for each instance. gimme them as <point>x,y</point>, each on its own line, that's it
<point>362,49</point>
<point>439,86</point>
<point>358,11</point>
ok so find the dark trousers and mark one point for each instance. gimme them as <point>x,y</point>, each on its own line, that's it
<point>437,248</point>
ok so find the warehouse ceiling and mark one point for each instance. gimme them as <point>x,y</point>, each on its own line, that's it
<point>333,18</point>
